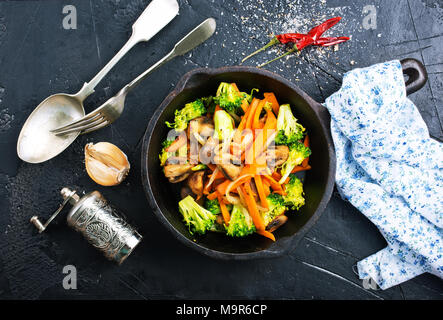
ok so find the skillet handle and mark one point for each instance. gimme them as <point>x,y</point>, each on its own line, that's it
<point>417,78</point>
<point>417,74</point>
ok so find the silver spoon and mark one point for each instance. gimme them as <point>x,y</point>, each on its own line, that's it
<point>109,111</point>
<point>36,143</point>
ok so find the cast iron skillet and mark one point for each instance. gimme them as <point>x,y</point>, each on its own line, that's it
<point>318,182</point>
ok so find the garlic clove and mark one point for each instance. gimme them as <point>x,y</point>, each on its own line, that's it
<point>106,164</point>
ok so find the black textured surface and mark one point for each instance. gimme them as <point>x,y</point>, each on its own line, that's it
<point>38,57</point>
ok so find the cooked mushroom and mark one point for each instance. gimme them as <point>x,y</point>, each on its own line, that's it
<point>203,126</point>
<point>276,223</point>
<point>177,172</point>
<point>186,191</point>
<point>227,163</point>
<point>230,171</point>
<point>277,156</point>
<point>176,160</point>
<point>206,153</point>
<point>195,182</point>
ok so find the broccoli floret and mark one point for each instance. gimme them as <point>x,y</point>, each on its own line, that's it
<point>294,193</point>
<point>199,167</point>
<point>229,98</point>
<point>276,208</point>
<point>213,206</point>
<point>223,125</point>
<point>182,152</point>
<point>209,103</point>
<point>297,153</point>
<point>289,130</point>
<point>163,154</point>
<point>197,218</point>
<point>241,223</point>
<point>216,227</point>
<point>248,97</point>
<point>191,111</point>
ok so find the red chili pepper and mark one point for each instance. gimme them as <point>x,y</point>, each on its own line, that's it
<point>289,37</point>
<point>317,31</point>
<point>303,43</point>
<point>322,42</point>
<point>298,46</point>
<point>330,41</point>
<point>300,40</point>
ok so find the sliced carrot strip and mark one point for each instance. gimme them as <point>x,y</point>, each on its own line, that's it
<point>219,175</point>
<point>282,192</point>
<point>247,169</point>
<point>244,118</point>
<point>266,234</point>
<point>221,188</point>
<point>255,102</point>
<point>266,187</point>
<point>245,105</point>
<point>252,207</point>
<point>272,124</point>
<point>274,184</point>
<point>179,142</point>
<point>253,193</point>
<point>255,121</point>
<point>261,124</point>
<point>261,139</point>
<point>224,210</point>
<point>306,143</point>
<point>270,96</point>
<point>276,175</point>
<point>261,191</point>
<point>301,168</point>
<point>212,196</point>
<point>234,85</point>
<point>238,183</point>
<point>242,125</point>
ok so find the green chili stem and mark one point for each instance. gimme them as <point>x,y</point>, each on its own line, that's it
<point>279,57</point>
<point>270,43</point>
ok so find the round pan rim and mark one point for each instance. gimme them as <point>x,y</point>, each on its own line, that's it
<point>285,244</point>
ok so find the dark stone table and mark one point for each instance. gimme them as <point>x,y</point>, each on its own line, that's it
<point>38,57</point>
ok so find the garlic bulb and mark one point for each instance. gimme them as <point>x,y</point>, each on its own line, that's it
<point>106,164</point>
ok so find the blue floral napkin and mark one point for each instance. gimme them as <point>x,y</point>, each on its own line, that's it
<point>391,170</point>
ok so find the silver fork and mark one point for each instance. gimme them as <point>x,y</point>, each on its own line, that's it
<point>109,111</point>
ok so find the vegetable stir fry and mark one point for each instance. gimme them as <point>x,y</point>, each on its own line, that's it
<point>237,156</point>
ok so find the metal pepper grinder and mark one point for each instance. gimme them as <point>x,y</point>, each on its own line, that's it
<point>98,222</point>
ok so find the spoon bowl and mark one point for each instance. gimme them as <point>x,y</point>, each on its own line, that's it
<point>36,142</point>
